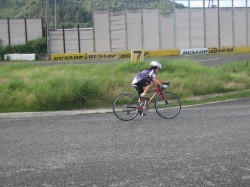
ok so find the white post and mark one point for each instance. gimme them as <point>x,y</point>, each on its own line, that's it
<point>55,13</point>
<point>47,29</point>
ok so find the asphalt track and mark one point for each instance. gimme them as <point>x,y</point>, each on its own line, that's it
<point>205,145</point>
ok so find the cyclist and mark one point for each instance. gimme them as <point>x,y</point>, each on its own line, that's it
<point>147,78</point>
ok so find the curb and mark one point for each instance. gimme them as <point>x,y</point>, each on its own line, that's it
<point>52,113</point>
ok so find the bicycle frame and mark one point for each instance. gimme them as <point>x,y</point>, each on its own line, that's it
<point>156,91</point>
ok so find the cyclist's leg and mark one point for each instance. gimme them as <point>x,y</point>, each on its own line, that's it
<point>139,90</point>
<point>148,87</point>
<point>139,87</point>
<point>144,83</point>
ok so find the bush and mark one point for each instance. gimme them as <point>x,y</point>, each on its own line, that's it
<point>34,46</point>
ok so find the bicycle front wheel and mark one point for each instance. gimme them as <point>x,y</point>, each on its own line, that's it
<point>168,106</point>
<point>125,107</point>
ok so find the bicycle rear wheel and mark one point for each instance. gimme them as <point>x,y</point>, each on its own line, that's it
<point>168,108</point>
<point>125,107</point>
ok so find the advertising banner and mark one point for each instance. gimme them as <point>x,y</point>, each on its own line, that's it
<point>101,55</point>
<point>194,51</point>
<point>221,50</point>
<point>73,56</point>
<point>126,54</point>
<point>17,56</point>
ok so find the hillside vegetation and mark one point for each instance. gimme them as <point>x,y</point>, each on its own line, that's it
<point>71,13</point>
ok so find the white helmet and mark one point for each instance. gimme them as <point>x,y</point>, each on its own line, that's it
<point>157,64</point>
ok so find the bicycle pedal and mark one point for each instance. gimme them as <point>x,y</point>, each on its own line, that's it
<point>143,114</point>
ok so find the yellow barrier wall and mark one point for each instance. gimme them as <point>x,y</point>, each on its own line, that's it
<point>162,53</point>
<point>147,54</point>
<point>240,50</point>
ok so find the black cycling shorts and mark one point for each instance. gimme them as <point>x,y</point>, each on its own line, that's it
<point>142,83</point>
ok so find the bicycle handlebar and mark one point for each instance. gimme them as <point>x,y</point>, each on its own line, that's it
<point>167,83</point>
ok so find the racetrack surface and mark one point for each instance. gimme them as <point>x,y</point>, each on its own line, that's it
<point>205,145</point>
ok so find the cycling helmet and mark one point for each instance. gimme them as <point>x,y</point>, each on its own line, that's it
<point>157,64</point>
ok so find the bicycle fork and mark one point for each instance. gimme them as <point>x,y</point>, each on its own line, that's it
<point>164,98</point>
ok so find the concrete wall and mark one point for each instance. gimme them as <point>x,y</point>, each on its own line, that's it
<point>19,31</point>
<point>71,41</point>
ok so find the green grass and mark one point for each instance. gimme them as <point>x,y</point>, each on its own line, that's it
<point>31,87</point>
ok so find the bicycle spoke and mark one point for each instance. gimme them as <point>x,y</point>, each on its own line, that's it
<point>125,107</point>
<point>170,108</point>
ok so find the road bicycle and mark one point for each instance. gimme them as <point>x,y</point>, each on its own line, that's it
<point>167,104</point>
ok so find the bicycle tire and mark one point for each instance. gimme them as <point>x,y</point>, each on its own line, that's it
<point>125,107</point>
<point>170,108</point>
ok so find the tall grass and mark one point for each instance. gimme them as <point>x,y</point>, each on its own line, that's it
<point>25,87</point>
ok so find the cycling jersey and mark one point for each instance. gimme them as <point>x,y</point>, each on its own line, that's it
<point>144,75</point>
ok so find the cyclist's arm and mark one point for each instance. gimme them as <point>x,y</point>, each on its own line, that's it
<point>156,81</point>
